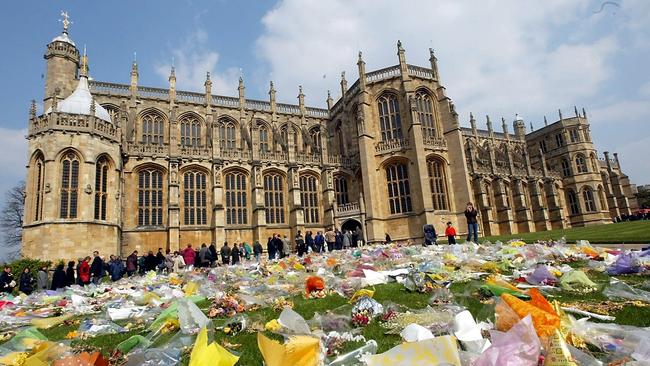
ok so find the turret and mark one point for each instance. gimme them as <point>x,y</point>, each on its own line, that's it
<point>434,65</point>
<point>208,89</point>
<point>134,76</point>
<point>519,127</point>
<point>62,63</point>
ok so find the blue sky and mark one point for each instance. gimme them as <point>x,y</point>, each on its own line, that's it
<point>496,57</point>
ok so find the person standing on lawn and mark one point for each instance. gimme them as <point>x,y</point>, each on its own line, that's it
<point>300,244</point>
<point>270,247</point>
<point>59,279</point>
<point>225,254</point>
<point>26,282</point>
<point>7,282</point>
<point>235,254</point>
<point>188,255</point>
<point>257,250</point>
<point>69,274</point>
<point>450,232</point>
<point>472,222</point>
<point>330,239</point>
<point>41,278</point>
<point>97,268</point>
<point>84,272</point>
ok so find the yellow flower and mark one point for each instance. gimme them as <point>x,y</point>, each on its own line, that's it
<point>272,326</point>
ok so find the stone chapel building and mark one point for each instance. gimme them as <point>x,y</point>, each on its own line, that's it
<point>118,167</point>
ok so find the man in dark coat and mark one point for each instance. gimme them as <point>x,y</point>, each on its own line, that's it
<point>270,247</point>
<point>97,268</point>
<point>59,279</point>
<point>213,253</point>
<point>69,274</point>
<point>132,263</point>
<point>7,282</point>
<point>278,245</point>
<point>225,253</point>
<point>150,262</point>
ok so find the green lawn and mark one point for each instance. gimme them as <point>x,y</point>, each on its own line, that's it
<point>635,232</point>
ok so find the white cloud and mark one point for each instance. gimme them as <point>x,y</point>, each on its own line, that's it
<point>495,57</point>
<point>192,60</point>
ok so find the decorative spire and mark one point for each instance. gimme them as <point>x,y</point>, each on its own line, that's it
<point>434,64</point>
<point>472,122</point>
<point>531,127</point>
<point>65,21</point>
<point>575,109</point>
<point>360,57</point>
<point>545,121</point>
<point>344,84</point>
<point>504,126</point>
<point>399,46</point>
<point>208,83</point>
<point>83,69</point>
<point>489,123</point>
<point>329,100</point>
<point>584,114</point>
<point>559,111</point>
<point>207,77</point>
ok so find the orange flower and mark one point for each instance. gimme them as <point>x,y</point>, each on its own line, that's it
<point>314,283</point>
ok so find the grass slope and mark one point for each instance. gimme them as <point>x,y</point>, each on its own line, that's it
<point>635,232</point>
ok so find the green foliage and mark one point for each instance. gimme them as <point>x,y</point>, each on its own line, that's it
<point>34,265</point>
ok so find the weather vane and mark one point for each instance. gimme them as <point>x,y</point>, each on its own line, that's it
<point>66,21</point>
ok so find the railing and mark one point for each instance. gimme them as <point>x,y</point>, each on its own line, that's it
<point>350,208</point>
<point>235,154</point>
<point>420,72</point>
<point>146,149</point>
<point>484,169</point>
<point>288,108</point>
<point>158,93</point>
<point>185,96</point>
<point>105,128</point>
<point>317,112</point>
<point>74,123</point>
<point>391,145</point>
<point>258,105</point>
<point>273,156</point>
<point>382,74</point>
<point>109,88</point>
<point>308,158</point>
<point>354,89</point>
<point>436,143</point>
<point>195,152</point>
<point>223,101</point>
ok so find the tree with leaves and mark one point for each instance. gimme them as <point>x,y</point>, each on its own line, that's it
<point>11,218</point>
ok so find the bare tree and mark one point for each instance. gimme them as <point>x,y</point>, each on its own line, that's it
<point>11,217</point>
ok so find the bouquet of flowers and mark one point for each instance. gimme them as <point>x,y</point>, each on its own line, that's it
<point>226,306</point>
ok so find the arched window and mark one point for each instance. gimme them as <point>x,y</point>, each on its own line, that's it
<point>264,138</point>
<point>399,191</point>
<point>315,139</point>
<point>38,183</point>
<point>150,197</point>
<point>227,136</point>
<point>566,168</point>
<point>190,131</point>
<point>572,200</point>
<point>309,198</point>
<point>390,120</point>
<point>425,114</point>
<point>341,190</point>
<point>581,164</point>
<point>113,112</point>
<point>602,198</point>
<point>294,135</point>
<point>69,185</point>
<point>438,184</point>
<point>274,198</point>
<point>195,194</point>
<point>101,188</point>
<point>588,197</point>
<point>152,129</point>
<point>236,199</point>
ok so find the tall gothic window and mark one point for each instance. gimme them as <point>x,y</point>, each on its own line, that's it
<point>559,140</point>
<point>399,191</point>
<point>285,136</point>
<point>572,200</point>
<point>150,197</point>
<point>195,194</point>
<point>101,188</point>
<point>574,135</point>
<point>315,139</point>
<point>588,196</point>
<point>69,185</point>
<point>341,190</point>
<point>227,136</point>
<point>190,131</point>
<point>581,164</point>
<point>390,121</point>
<point>264,138</point>
<point>39,179</point>
<point>152,129</point>
<point>236,203</point>
<point>425,114</point>
<point>274,198</point>
<point>438,184</point>
<point>309,198</point>
<point>566,168</point>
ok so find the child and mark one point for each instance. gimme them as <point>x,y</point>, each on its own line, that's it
<point>450,231</point>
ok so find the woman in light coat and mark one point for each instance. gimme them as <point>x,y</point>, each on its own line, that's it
<point>179,262</point>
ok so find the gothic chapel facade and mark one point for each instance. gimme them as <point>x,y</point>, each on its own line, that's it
<point>116,167</point>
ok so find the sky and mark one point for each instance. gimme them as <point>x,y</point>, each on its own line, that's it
<point>496,57</point>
